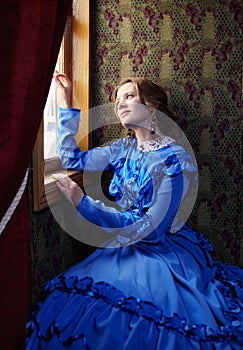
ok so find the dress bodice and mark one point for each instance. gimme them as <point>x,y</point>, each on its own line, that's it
<point>134,182</point>
<point>151,178</point>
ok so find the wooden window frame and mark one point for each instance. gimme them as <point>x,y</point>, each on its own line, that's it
<point>76,50</point>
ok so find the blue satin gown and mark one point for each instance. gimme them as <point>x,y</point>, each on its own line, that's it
<point>147,287</point>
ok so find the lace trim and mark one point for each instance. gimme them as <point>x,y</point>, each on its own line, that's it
<point>145,309</point>
<point>154,145</point>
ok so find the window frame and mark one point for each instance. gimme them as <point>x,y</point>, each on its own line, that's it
<point>75,49</point>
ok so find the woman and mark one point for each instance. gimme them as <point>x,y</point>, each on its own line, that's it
<point>152,284</point>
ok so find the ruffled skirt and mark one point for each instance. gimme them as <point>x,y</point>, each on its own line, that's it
<point>144,296</point>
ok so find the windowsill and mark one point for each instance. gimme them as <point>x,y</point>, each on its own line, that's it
<point>51,193</point>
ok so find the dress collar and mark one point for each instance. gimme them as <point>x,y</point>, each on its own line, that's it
<point>154,145</point>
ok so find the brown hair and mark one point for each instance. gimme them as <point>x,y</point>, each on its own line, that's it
<point>150,94</point>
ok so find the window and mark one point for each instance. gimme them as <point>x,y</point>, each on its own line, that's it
<point>73,59</point>
<point>50,115</point>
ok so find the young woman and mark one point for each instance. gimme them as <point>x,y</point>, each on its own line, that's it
<point>152,284</point>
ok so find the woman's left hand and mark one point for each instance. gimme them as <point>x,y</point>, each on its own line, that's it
<point>69,188</point>
<point>64,87</point>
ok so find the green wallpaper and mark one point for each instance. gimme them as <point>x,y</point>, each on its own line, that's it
<point>194,49</point>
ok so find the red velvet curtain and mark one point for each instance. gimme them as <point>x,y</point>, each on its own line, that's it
<point>31,33</point>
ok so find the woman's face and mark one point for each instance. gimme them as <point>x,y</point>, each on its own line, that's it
<point>130,109</point>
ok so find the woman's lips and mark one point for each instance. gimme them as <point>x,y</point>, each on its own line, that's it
<point>124,113</point>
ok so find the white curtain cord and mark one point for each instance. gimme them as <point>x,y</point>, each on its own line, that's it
<point>7,216</point>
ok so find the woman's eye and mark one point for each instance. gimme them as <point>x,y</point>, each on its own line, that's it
<point>130,96</point>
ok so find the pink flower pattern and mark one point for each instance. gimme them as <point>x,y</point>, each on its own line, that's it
<point>195,16</point>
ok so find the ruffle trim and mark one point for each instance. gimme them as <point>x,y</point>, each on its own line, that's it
<point>230,286</point>
<point>55,331</point>
<point>193,236</point>
<point>132,305</point>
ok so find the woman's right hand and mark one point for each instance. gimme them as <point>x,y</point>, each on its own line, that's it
<point>64,87</point>
<point>69,188</point>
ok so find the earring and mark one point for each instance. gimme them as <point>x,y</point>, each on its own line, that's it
<point>129,136</point>
<point>129,133</point>
<point>152,125</point>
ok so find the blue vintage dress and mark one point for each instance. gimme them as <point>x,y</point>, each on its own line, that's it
<point>148,286</point>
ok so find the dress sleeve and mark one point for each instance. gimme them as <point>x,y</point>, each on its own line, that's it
<point>128,226</point>
<point>70,155</point>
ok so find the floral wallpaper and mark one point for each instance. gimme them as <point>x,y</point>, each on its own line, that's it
<point>194,49</point>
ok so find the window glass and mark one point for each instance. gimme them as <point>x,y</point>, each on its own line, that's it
<point>50,118</point>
